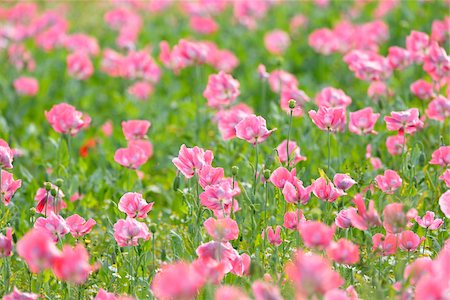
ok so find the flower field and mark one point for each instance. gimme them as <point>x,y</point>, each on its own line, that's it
<point>225,149</point>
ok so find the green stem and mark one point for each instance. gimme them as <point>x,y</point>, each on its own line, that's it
<point>329,151</point>
<point>424,241</point>
<point>288,138</point>
<point>256,169</point>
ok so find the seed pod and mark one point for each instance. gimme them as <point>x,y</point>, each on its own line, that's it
<point>176,183</point>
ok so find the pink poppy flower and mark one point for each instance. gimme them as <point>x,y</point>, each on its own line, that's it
<point>446,177</point>
<point>210,269</point>
<point>368,65</point>
<point>376,163</point>
<point>343,181</point>
<point>333,98</point>
<point>131,157</point>
<point>48,203</point>
<point>396,144</point>
<point>228,292</point>
<point>439,109</point>
<point>65,119</point>
<point>253,129</point>
<point>422,89</point>
<point>128,232</point>
<point>404,121</point>
<point>38,250</point>
<point>378,90</point>
<point>294,153</point>
<point>316,234</point>
<point>389,182</point>
<point>79,65</point>
<point>26,86</point>
<point>312,274</point>
<point>292,219</point>
<point>399,58</point>
<point>140,90</point>
<point>362,217</point>
<point>262,72</point>
<point>291,92</point>
<point>329,119</point>
<point>280,176</point>
<point>191,160</point>
<point>104,295</point>
<point>222,230</point>
<point>428,221</point>
<point>218,197</point>
<point>6,155</point>
<point>227,119</point>
<point>72,265</point>
<point>140,65</point>
<point>342,219</point>
<point>263,291</point>
<point>294,191</point>
<point>81,42</point>
<point>395,218</point>
<point>363,121</point>
<point>444,203</point>
<point>440,30</point>
<point>210,176</point>
<point>108,128</point>
<point>203,25</point>
<point>18,295</point>
<point>272,236</point>
<point>279,79</point>
<point>276,41</point>
<point>297,22</point>
<point>429,287</point>
<point>135,129</point>
<point>343,252</point>
<point>417,269</point>
<point>409,241</point>
<point>386,245</point>
<point>441,157</point>
<point>417,43</point>
<point>134,205</point>
<point>54,225</point>
<point>436,62</point>
<point>177,281</point>
<point>6,243</point>
<point>222,90</point>
<point>8,187</point>
<point>78,226</point>
<point>325,190</point>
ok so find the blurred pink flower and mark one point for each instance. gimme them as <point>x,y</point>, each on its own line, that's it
<point>6,155</point>
<point>6,243</point>
<point>333,98</point>
<point>140,90</point>
<point>222,230</point>
<point>439,109</point>
<point>26,86</point>
<point>316,234</point>
<point>394,218</point>
<point>428,221</point>
<point>134,205</point>
<point>441,157</point>
<point>135,129</point>
<point>293,150</point>
<point>343,252</point>
<point>18,295</point>
<point>37,248</point>
<point>222,90</point>
<point>422,89</point>
<point>276,41</point>
<point>409,241</point>
<point>65,119</point>
<point>53,224</point>
<point>272,236</point>
<point>72,265</point>
<point>79,65</point>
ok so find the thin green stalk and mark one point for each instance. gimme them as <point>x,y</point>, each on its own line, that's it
<point>256,170</point>
<point>329,151</point>
<point>424,241</point>
<point>288,138</point>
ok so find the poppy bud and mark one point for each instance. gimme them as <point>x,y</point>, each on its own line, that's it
<point>59,182</point>
<point>176,183</point>
<point>266,173</point>
<point>234,170</point>
<point>292,104</point>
